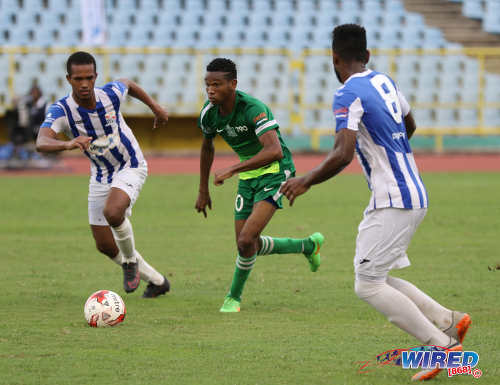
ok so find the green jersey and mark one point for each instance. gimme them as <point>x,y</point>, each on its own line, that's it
<point>249,119</point>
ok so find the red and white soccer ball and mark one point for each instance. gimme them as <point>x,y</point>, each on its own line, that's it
<point>104,308</point>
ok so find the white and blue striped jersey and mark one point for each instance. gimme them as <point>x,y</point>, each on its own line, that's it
<point>113,145</point>
<point>371,104</point>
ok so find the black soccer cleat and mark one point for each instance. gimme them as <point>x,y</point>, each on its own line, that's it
<point>131,276</point>
<point>153,290</point>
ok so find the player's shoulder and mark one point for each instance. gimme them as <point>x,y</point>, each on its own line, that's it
<point>115,87</point>
<point>358,86</point>
<point>206,109</point>
<point>250,101</point>
<point>56,110</point>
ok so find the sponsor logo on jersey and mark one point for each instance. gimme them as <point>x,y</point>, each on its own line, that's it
<point>398,135</point>
<point>110,119</point>
<point>232,131</point>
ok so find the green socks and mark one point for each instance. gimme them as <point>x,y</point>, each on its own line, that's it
<point>269,245</point>
<point>243,268</point>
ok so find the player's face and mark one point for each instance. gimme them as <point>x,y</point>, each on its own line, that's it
<point>218,87</point>
<point>82,80</point>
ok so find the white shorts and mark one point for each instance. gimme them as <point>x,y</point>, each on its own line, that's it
<point>129,180</point>
<point>383,238</point>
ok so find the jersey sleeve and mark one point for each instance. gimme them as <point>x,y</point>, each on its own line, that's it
<point>347,109</point>
<point>405,106</point>
<point>55,119</point>
<point>119,88</point>
<point>203,124</point>
<point>260,119</point>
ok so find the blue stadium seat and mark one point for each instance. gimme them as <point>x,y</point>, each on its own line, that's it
<point>214,19</point>
<point>445,118</point>
<point>262,7</point>
<point>492,88</point>
<point>196,6</point>
<point>26,18</point>
<point>140,37</point>
<point>217,5</point>
<point>328,7</point>
<point>184,37</point>
<point>473,9</point>
<point>278,37</point>
<point>491,20</point>
<point>282,116</point>
<point>433,38</point>
<point>44,37</point>
<point>306,6</point>
<point>17,36</point>
<point>492,117</point>
<point>380,63</point>
<point>423,117</point>
<point>240,6</point>
<point>208,37</point>
<point>467,117</point>
<point>171,6</point>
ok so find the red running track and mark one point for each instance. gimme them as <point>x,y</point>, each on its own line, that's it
<point>190,164</point>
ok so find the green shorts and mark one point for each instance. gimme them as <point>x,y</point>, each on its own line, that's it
<point>251,191</point>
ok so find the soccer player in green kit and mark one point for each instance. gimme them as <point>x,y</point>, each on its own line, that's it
<point>249,127</point>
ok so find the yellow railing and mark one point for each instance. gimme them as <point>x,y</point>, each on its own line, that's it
<point>293,103</point>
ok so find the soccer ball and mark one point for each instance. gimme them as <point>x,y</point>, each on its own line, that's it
<point>104,308</point>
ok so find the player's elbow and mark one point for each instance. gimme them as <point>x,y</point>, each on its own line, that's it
<point>346,158</point>
<point>277,153</point>
<point>39,145</point>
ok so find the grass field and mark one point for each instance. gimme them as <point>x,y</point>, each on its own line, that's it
<point>295,327</point>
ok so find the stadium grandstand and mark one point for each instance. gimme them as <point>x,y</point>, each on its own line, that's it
<point>444,55</point>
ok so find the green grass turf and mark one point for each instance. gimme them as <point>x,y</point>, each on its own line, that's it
<point>295,327</point>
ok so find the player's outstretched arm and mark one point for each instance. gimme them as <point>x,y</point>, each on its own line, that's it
<point>271,151</point>
<point>134,90</point>
<point>206,160</point>
<point>338,159</point>
<point>47,141</point>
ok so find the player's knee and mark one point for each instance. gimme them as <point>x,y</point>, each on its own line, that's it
<point>365,288</point>
<point>246,244</point>
<point>113,215</point>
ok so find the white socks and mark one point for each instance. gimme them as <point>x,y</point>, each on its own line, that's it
<point>441,316</point>
<point>124,238</point>
<point>401,311</point>
<point>148,273</point>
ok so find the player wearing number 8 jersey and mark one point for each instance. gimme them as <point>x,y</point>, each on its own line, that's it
<point>249,127</point>
<point>374,120</point>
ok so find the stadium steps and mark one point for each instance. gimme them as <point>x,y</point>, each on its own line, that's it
<point>448,17</point>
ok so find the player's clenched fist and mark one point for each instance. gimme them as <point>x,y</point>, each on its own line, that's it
<point>222,175</point>
<point>294,187</point>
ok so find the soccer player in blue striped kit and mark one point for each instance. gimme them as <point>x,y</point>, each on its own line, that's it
<point>374,120</point>
<point>92,118</point>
